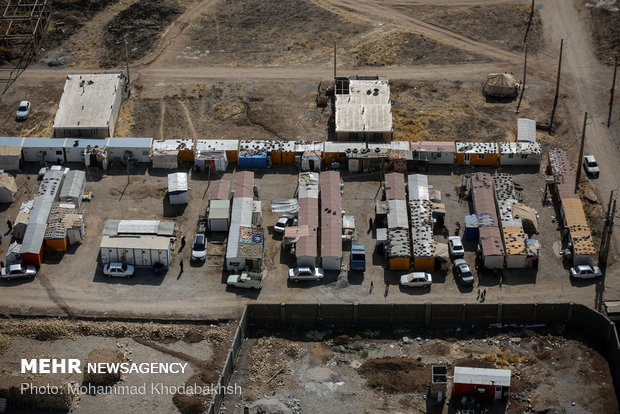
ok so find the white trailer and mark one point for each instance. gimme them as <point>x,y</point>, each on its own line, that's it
<point>144,251</point>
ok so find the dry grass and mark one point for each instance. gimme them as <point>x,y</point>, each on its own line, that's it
<point>126,121</point>
<point>505,358</point>
<point>5,343</point>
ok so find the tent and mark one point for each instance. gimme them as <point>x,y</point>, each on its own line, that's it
<point>442,256</point>
<point>528,216</point>
<point>8,188</point>
<point>501,85</point>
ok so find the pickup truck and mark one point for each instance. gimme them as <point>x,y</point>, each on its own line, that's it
<point>246,280</point>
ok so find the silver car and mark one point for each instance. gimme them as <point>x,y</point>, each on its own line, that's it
<point>305,273</point>
<point>23,110</point>
<point>585,272</point>
<point>17,271</point>
<point>463,272</point>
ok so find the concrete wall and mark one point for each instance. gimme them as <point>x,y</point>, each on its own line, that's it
<point>577,318</point>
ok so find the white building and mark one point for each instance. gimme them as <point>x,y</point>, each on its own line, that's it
<point>44,150</point>
<point>526,130</point>
<point>75,148</point>
<point>177,188</point>
<point>10,153</point>
<point>89,106</point>
<point>136,250</point>
<point>137,149</point>
<point>520,153</point>
<point>219,215</point>
<point>435,152</point>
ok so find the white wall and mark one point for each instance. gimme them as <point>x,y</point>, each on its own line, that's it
<point>516,261</point>
<point>494,262</point>
<point>51,154</point>
<point>532,159</point>
<point>135,257</point>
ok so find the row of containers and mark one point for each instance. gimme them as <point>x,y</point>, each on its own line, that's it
<point>574,223</point>
<point>217,154</point>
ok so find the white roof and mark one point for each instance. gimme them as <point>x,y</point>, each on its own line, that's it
<point>177,182</point>
<point>138,226</point>
<point>397,214</point>
<point>136,242</point>
<point>308,185</point>
<point>342,146</point>
<point>526,130</point>
<point>482,376</point>
<point>87,100</point>
<point>173,144</point>
<point>217,145</point>
<point>367,107</point>
<point>418,187</point>
<point>477,147</point>
<point>392,145</point>
<point>527,148</point>
<point>303,146</point>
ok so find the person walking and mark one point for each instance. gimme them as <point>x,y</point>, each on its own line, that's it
<point>181,265</point>
<point>478,297</point>
<point>8,223</point>
<point>484,295</point>
<point>372,286</point>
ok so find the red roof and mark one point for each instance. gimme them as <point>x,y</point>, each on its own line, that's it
<point>482,195</point>
<point>433,146</point>
<point>331,216</point>
<point>395,186</point>
<point>244,184</point>
<point>308,216</point>
<point>491,241</point>
<point>219,190</point>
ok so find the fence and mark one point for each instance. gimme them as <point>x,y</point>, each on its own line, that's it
<point>577,317</point>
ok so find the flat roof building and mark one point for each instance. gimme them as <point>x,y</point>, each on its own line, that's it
<point>89,106</point>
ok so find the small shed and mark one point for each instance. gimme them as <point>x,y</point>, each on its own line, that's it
<point>75,148</point>
<point>177,188</point>
<point>526,130</point>
<point>8,188</point>
<point>475,382</point>
<point>32,245</point>
<point>44,150</point>
<point>10,153</point>
<point>311,161</point>
<point>477,153</point>
<point>167,153</point>
<point>137,149</point>
<point>433,152</point>
<point>219,215</point>
<point>73,187</point>
<point>219,190</point>
<point>253,159</point>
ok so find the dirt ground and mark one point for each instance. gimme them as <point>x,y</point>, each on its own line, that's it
<point>202,347</point>
<point>604,20</point>
<point>381,371</point>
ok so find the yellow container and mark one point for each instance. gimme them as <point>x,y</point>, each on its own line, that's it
<point>399,263</point>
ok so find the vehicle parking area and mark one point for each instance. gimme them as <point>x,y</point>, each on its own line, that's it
<point>75,282</point>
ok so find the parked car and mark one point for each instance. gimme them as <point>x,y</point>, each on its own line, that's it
<point>246,280</point>
<point>416,279</point>
<point>118,270</point>
<point>17,271</point>
<point>585,272</point>
<point>23,110</point>
<point>305,273</point>
<point>285,220</point>
<point>463,272</point>
<point>456,246</point>
<point>199,248</point>
<point>591,166</point>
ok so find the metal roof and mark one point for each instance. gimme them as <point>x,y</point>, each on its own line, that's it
<point>177,183</point>
<point>342,146</point>
<point>244,184</point>
<point>37,224</point>
<point>526,130</point>
<point>85,142</point>
<point>477,147</point>
<point>267,145</point>
<point>515,240</point>
<point>136,242</point>
<point>219,209</point>
<point>482,376</point>
<point>395,186</point>
<point>241,215</point>
<point>73,184</point>
<point>219,190</point>
<point>573,212</point>
<point>390,145</point>
<point>308,216</point>
<point>128,227</point>
<point>130,142</point>
<point>32,142</point>
<point>18,141</point>
<point>398,243</point>
<point>520,148</point>
<point>173,145</point>
<point>331,216</point>
<point>559,161</point>
<point>397,215</point>
<point>303,146</point>
<point>51,182</point>
<point>482,195</point>
<point>308,185</point>
<point>367,107</point>
<point>491,241</point>
<point>433,146</point>
<point>87,100</point>
<point>217,145</point>
<point>418,187</point>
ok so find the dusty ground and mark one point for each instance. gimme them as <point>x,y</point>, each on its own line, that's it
<point>374,371</point>
<point>203,347</point>
<point>603,17</point>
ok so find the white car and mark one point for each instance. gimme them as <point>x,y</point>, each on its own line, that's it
<point>305,273</point>
<point>23,110</point>
<point>585,272</point>
<point>416,279</point>
<point>199,248</point>
<point>456,246</point>
<point>283,222</point>
<point>591,166</point>
<point>17,271</point>
<point>118,270</point>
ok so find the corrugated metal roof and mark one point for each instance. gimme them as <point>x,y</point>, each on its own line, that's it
<point>244,184</point>
<point>308,216</point>
<point>331,217</point>
<point>515,240</point>
<point>565,185</point>
<point>338,147</point>
<point>37,224</point>
<point>581,238</point>
<point>31,142</point>
<point>73,184</point>
<point>85,142</point>
<point>10,150</point>
<point>482,376</point>
<point>390,145</point>
<point>130,142</point>
<point>482,195</point>
<point>51,183</point>
<point>217,145</point>
<point>433,146</point>
<point>219,209</point>
<point>422,243</point>
<point>267,145</point>
<point>491,241</point>
<point>395,186</point>
<point>136,242</point>
<point>366,108</point>
<point>12,141</point>
<point>477,147</point>
<point>398,244</point>
<point>559,161</point>
<point>520,148</point>
<point>526,130</point>
<point>174,145</point>
<point>397,215</point>
<point>418,187</point>
<point>177,183</point>
<point>308,185</point>
<point>219,190</point>
<point>303,146</point>
<point>241,215</point>
<point>126,227</point>
<point>573,212</point>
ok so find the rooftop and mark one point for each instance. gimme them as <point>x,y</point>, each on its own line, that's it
<point>433,146</point>
<point>477,147</point>
<point>366,108</point>
<point>395,186</point>
<point>244,184</point>
<point>482,376</point>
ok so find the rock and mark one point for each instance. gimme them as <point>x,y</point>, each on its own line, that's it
<point>407,340</point>
<point>590,195</point>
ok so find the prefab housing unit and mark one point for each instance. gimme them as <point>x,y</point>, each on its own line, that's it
<point>474,382</point>
<point>219,215</point>
<point>272,147</point>
<point>137,149</point>
<point>177,188</point>
<point>73,187</point>
<point>228,146</point>
<point>435,152</point>
<point>89,106</point>
<point>515,241</point>
<point>526,130</point>
<point>32,244</point>
<point>11,153</point>
<point>243,211</point>
<point>253,159</point>
<point>520,153</point>
<point>168,153</point>
<point>219,190</point>
<point>477,153</point>
<point>306,249</point>
<point>491,248</point>
<point>75,148</point>
<point>43,150</point>
<point>331,220</point>
<point>395,186</point>
<point>141,251</point>
<point>335,151</point>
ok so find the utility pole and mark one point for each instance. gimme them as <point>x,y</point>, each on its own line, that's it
<point>127,65</point>
<point>607,231</point>
<point>334,61</point>
<point>529,22</point>
<point>613,87</point>
<point>557,87</point>
<point>580,159</point>
<point>524,78</point>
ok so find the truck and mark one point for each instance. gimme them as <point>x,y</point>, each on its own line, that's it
<point>247,280</point>
<point>358,257</point>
